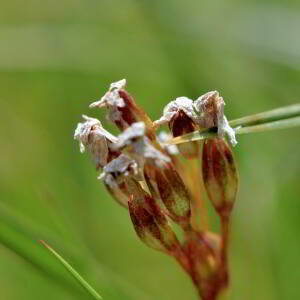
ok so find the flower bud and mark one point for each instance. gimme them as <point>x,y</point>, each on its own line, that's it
<point>123,110</point>
<point>220,175</point>
<point>151,225</point>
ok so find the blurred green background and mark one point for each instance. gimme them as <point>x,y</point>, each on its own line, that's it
<point>56,57</point>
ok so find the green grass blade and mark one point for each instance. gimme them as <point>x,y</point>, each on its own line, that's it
<point>74,273</point>
<point>268,116</point>
<point>285,122</point>
<point>276,125</point>
<point>194,136</point>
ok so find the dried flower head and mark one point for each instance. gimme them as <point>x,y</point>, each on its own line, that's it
<point>210,110</point>
<point>184,115</point>
<point>180,115</point>
<point>112,97</point>
<point>118,169</point>
<point>183,104</point>
<point>95,139</point>
<point>140,146</point>
<point>118,176</point>
<point>144,175</point>
<point>123,110</point>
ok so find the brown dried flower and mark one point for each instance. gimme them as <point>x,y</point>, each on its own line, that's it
<point>123,110</point>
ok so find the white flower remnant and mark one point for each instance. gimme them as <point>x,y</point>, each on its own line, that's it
<point>207,111</point>
<point>93,137</point>
<point>210,110</point>
<point>163,139</point>
<point>112,97</point>
<point>181,103</point>
<point>135,131</point>
<point>135,136</point>
<point>118,169</point>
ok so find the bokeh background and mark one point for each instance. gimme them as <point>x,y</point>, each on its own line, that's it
<point>56,57</point>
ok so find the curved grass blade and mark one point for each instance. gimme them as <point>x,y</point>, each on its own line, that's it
<point>74,273</point>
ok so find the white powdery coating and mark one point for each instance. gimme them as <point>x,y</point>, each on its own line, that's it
<point>163,138</point>
<point>181,103</point>
<point>112,97</point>
<point>93,137</point>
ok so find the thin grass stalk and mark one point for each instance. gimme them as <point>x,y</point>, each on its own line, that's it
<point>73,272</point>
<point>268,116</point>
<point>284,121</point>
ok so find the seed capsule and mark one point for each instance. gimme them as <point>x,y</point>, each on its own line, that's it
<point>165,183</point>
<point>151,225</point>
<point>220,175</point>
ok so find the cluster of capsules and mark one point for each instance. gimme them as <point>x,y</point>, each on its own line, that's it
<point>162,184</point>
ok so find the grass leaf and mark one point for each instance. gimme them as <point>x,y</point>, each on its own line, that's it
<point>74,273</point>
<point>280,118</point>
